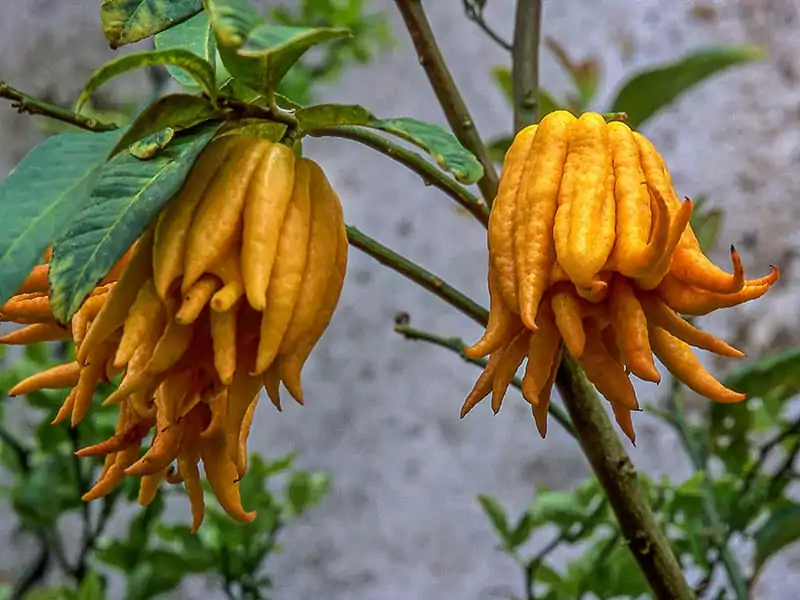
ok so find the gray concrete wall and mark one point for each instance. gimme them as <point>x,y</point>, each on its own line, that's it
<point>382,413</point>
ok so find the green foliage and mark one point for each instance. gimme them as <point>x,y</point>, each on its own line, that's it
<point>194,35</point>
<point>46,483</point>
<point>129,194</point>
<point>128,21</point>
<point>370,32</point>
<point>641,96</point>
<point>649,91</point>
<point>176,112</point>
<point>437,141</point>
<point>781,529</point>
<point>200,70</point>
<point>42,192</point>
<point>258,53</point>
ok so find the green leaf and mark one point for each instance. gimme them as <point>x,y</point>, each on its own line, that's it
<point>499,146</point>
<point>194,35</point>
<point>706,225</point>
<point>200,70</point>
<point>128,21</point>
<point>647,92</point>
<point>92,587</point>
<point>496,514</point>
<point>727,434</point>
<point>585,74</point>
<point>160,572</point>
<point>547,103</point>
<point>562,509</point>
<point>233,20</point>
<point>40,195</point>
<point>776,375</point>
<point>176,111</point>
<point>304,490</point>
<point>329,115</point>
<point>129,195</point>
<point>781,529</point>
<point>257,53</point>
<point>148,147</point>
<point>522,531</point>
<point>257,128</point>
<point>446,150</point>
<point>449,154</point>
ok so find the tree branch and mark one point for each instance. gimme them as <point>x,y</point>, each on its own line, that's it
<point>618,477</point>
<point>474,11</point>
<point>457,345</point>
<point>447,93</point>
<point>417,274</point>
<point>525,69</point>
<point>599,441</point>
<point>430,174</point>
<point>33,106</point>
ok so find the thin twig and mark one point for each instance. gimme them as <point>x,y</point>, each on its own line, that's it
<point>474,11</point>
<point>763,454</point>
<point>21,453</point>
<point>33,574</point>
<point>430,174</point>
<point>417,274</point>
<point>447,93</point>
<point>525,70</point>
<point>457,345</point>
<point>79,570</point>
<point>33,106</point>
<point>532,565</point>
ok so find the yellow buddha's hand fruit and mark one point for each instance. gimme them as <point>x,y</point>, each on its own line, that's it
<point>228,291</point>
<point>591,253</point>
<point>585,221</point>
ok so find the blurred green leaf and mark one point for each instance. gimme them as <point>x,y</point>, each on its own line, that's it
<point>650,90</point>
<point>727,434</point>
<point>257,53</point>
<point>706,224</point>
<point>776,375</point>
<point>92,587</point>
<point>609,570</point>
<point>781,529</point>
<point>159,572</point>
<point>128,21</point>
<point>496,514</point>
<point>562,509</point>
<point>522,531</point>
<point>304,490</point>
<point>585,74</point>
<point>547,103</point>
<point>499,146</point>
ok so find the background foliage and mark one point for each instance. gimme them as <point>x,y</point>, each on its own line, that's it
<point>743,455</point>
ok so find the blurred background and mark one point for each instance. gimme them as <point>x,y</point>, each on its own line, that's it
<point>401,518</point>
